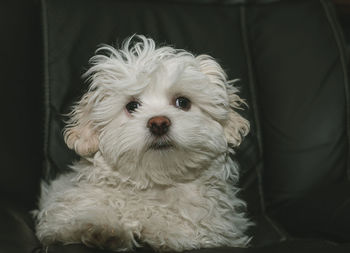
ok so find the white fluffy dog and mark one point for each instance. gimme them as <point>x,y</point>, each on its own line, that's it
<point>153,132</point>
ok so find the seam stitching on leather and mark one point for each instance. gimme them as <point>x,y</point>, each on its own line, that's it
<point>46,166</point>
<point>340,42</point>
<point>251,85</point>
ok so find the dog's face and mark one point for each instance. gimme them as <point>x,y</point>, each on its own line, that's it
<point>157,116</point>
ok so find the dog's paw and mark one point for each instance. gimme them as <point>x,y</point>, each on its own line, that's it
<point>107,237</point>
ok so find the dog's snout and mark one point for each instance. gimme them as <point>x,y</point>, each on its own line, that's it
<point>159,125</point>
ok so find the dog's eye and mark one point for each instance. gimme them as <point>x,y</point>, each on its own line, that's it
<point>183,103</point>
<point>132,106</point>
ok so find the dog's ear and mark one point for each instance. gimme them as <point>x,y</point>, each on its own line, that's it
<point>80,133</point>
<point>235,126</point>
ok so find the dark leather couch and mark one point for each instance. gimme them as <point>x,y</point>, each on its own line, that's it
<point>290,57</point>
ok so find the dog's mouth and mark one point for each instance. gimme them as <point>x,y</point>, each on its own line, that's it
<point>161,145</point>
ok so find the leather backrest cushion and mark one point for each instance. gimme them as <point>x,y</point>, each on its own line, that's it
<point>21,97</point>
<point>299,61</point>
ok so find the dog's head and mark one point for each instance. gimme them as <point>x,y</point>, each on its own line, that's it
<point>156,115</point>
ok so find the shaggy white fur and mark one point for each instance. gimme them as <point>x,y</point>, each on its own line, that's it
<point>173,189</point>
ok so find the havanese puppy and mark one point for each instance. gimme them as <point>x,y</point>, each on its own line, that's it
<point>155,132</point>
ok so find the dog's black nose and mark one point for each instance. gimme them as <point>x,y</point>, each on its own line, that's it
<point>159,125</point>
